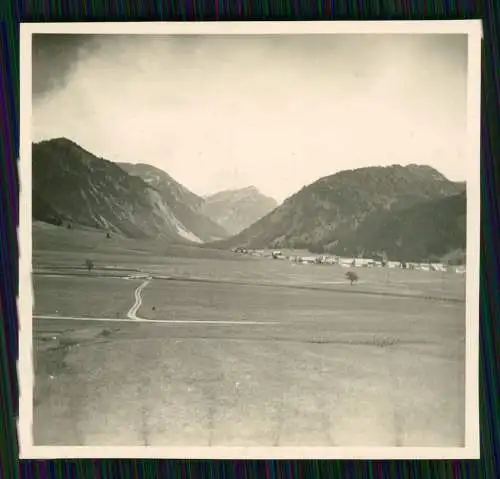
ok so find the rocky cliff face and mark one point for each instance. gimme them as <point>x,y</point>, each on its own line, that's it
<point>185,205</point>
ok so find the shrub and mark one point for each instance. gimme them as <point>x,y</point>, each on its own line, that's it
<point>317,248</point>
<point>352,277</point>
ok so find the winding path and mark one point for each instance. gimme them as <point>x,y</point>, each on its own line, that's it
<point>201,322</point>
<point>138,300</point>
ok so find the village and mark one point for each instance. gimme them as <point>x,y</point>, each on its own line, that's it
<point>350,262</point>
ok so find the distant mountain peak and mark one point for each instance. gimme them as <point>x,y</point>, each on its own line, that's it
<point>250,190</point>
<point>237,209</point>
<point>244,189</point>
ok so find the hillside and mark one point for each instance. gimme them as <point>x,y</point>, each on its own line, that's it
<point>427,231</point>
<point>73,186</point>
<point>327,213</point>
<point>236,210</point>
<point>185,205</point>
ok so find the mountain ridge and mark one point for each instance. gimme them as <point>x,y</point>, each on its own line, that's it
<point>73,186</point>
<point>185,204</point>
<point>407,212</point>
<point>392,234</point>
<point>328,211</point>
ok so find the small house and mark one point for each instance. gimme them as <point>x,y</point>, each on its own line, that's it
<point>308,259</point>
<point>393,264</point>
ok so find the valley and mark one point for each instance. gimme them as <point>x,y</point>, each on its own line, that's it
<point>150,327</point>
<point>232,350</point>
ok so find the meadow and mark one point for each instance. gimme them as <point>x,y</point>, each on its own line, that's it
<point>231,350</point>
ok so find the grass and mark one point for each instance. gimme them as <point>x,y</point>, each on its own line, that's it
<point>213,301</point>
<point>55,242</point>
<point>337,369</point>
<point>282,385</point>
<point>58,247</point>
<point>86,296</point>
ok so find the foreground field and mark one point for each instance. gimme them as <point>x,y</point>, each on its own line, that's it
<point>238,352</point>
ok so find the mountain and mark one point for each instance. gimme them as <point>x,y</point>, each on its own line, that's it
<point>236,210</point>
<point>427,231</point>
<point>72,186</point>
<point>327,214</point>
<point>185,205</point>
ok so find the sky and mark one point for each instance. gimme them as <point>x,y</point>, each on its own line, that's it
<point>276,112</point>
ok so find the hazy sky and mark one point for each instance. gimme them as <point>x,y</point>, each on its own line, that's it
<point>277,112</point>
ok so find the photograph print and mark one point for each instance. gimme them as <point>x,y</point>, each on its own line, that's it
<point>256,240</point>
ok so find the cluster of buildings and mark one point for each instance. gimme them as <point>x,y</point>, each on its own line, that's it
<point>351,262</point>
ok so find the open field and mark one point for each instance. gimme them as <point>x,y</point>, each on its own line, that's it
<point>99,297</point>
<point>58,250</point>
<point>232,351</point>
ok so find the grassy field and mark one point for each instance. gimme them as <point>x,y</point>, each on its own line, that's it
<point>88,296</point>
<point>329,364</point>
<point>58,249</point>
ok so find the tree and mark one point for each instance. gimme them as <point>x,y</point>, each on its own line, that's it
<point>352,277</point>
<point>89,265</point>
<point>316,248</point>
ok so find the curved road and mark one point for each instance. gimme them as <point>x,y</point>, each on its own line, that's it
<point>138,299</point>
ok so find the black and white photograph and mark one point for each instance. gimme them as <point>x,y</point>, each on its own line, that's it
<point>250,239</point>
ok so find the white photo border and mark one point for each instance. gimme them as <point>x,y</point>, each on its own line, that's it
<point>471,450</point>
